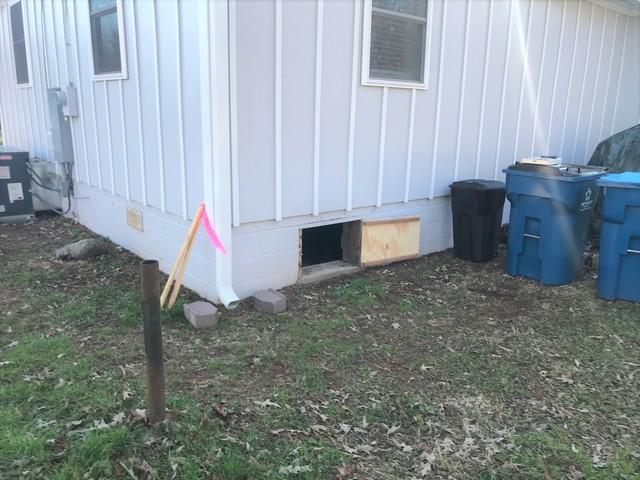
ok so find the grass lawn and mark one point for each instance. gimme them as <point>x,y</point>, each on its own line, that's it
<point>434,368</point>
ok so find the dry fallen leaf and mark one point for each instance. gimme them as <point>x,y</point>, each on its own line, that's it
<point>118,418</point>
<point>267,403</point>
<point>220,410</point>
<point>294,469</point>
<point>345,471</point>
<point>319,428</point>
<point>393,429</point>
<point>564,378</point>
<point>345,428</point>
<point>364,423</point>
<point>139,413</point>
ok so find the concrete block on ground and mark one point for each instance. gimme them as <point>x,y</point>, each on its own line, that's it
<point>270,301</point>
<point>202,314</point>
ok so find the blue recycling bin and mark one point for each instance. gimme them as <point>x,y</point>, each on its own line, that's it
<point>619,276</point>
<point>551,210</point>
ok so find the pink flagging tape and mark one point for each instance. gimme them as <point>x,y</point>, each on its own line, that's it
<point>211,232</point>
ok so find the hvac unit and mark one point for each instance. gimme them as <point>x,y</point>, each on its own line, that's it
<point>15,186</point>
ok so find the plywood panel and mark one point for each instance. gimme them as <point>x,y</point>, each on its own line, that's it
<point>386,241</point>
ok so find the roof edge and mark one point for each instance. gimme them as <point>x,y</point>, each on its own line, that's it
<point>627,7</point>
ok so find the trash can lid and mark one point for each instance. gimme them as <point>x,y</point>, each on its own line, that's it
<point>621,180</point>
<point>564,172</point>
<point>477,184</point>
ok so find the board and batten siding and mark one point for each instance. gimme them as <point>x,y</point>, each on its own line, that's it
<point>22,107</point>
<point>137,138</point>
<point>153,152</point>
<point>309,143</point>
<point>506,80</point>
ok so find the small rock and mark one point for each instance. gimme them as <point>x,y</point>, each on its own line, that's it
<point>202,314</point>
<point>83,249</point>
<point>270,301</point>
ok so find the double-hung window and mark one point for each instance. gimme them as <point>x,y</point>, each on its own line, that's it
<point>107,38</point>
<point>395,43</point>
<point>18,39</point>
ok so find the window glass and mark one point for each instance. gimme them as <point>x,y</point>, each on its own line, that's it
<point>19,44</point>
<point>397,41</point>
<point>410,7</point>
<point>105,36</point>
<point>397,49</point>
<point>100,5</point>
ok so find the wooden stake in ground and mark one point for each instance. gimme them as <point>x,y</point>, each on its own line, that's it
<point>180,267</point>
<point>181,272</point>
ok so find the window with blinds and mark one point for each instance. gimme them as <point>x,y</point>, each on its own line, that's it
<point>395,42</point>
<point>19,44</point>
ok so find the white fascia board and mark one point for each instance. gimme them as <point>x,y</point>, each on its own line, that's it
<point>626,7</point>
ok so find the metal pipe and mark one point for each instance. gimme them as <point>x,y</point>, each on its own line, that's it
<point>150,275</point>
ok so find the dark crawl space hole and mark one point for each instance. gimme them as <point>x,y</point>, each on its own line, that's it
<point>321,244</point>
<point>328,243</point>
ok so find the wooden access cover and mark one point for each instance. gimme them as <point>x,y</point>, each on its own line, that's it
<point>390,240</point>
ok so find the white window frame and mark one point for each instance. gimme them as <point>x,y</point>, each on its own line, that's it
<point>123,73</point>
<point>27,45</point>
<point>366,79</point>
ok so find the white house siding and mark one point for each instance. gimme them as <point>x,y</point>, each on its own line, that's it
<point>141,157</point>
<point>161,121</point>
<point>306,136</point>
<point>21,108</point>
<point>309,135</point>
<point>471,121</point>
<point>137,141</point>
<point>147,153</point>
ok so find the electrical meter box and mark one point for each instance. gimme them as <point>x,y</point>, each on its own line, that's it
<point>16,203</point>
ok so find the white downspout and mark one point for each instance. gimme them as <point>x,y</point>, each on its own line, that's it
<point>216,136</point>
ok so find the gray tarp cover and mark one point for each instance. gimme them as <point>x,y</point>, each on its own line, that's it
<point>620,152</point>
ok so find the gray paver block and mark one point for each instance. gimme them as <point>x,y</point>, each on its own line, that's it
<point>202,314</point>
<point>270,301</point>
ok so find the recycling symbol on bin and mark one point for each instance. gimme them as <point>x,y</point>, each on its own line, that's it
<point>588,202</point>
<point>587,195</point>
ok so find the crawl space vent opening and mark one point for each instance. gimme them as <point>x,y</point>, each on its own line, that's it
<point>329,250</point>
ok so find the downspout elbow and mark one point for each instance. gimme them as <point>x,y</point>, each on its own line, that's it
<point>227,296</point>
<point>224,286</point>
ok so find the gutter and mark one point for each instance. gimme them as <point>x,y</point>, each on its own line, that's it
<point>631,8</point>
<point>216,137</point>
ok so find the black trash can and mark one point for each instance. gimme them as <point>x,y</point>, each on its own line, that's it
<point>477,217</point>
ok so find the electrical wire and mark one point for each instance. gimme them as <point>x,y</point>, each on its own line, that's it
<point>44,186</point>
<point>37,179</point>
<point>34,175</point>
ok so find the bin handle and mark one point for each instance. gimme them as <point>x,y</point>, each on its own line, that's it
<point>531,235</point>
<point>636,252</point>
